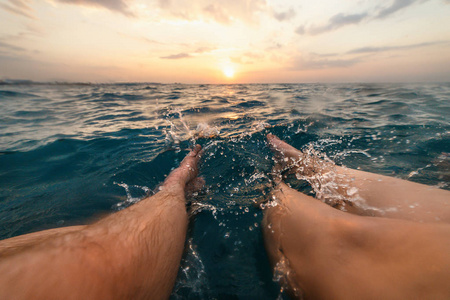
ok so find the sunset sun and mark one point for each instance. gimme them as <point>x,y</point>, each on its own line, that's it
<point>228,71</point>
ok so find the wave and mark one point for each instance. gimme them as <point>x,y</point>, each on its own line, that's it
<point>71,152</point>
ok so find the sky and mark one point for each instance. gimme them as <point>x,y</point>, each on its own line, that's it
<point>225,41</point>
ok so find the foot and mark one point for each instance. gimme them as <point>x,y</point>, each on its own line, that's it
<point>328,185</point>
<point>185,176</point>
<point>287,158</point>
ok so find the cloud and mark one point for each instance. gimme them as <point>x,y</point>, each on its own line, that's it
<point>314,61</point>
<point>366,50</point>
<point>217,13</point>
<point>150,41</point>
<point>340,20</point>
<point>334,23</point>
<point>274,46</point>
<point>190,51</point>
<point>396,6</point>
<point>19,7</point>
<point>300,30</point>
<point>8,47</point>
<point>120,6</point>
<point>31,30</point>
<point>350,58</point>
<point>285,15</point>
<point>177,56</point>
<point>224,12</point>
<point>204,49</point>
<point>248,58</point>
<point>23,67</point>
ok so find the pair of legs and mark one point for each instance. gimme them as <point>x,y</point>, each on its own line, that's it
<point>316,249</point>
<point>391,242</point>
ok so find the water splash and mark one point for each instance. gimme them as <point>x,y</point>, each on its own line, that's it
<point>192,275</point>
<point>179,129</point>
<point>130,198</point>
<point>204,130</point>
<point>319,171</point>
<point>282,274</point>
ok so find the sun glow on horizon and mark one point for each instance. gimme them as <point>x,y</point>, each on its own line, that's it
<point>228,71</point>
<point>203,41</point>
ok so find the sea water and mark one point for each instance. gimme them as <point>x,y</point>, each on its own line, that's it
<point>70,153</point>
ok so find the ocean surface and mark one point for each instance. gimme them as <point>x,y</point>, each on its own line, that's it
<point>72,152</point>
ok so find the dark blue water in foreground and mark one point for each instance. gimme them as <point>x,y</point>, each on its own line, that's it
<point>71,153</point>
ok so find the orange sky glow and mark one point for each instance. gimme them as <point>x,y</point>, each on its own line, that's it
<point>233,41</point>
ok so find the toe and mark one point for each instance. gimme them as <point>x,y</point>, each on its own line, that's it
<point>281,148</point>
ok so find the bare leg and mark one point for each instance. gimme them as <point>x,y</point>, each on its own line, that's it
<point>368,194</point>
<point>133,254</point>
<point>22,242</point>
<point>323,253</point>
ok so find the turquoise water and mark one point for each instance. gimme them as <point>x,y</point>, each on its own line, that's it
<point>70,153</point>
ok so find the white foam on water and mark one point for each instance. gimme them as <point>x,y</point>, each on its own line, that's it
<point>130,199</point>
<point>192,274</point>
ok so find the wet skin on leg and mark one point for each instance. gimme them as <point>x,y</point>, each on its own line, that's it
<point>389,197</point>
<point>132,254</point>
<point>331,254</point>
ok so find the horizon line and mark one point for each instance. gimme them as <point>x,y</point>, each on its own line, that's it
<point>68,82</point>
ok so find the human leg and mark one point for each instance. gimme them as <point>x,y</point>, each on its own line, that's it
<point>365,193</point>
<point>132,254</point>
<point>324,253</point>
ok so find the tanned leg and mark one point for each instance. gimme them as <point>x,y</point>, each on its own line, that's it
<point>368,194</point>
<point>132,254</point>
<point>324,253</point>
